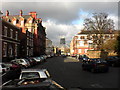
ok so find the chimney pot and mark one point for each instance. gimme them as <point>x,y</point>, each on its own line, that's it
<point>21,12</point>
<point>7,13</point>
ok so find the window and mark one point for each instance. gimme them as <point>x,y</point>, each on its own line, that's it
<point>22,23</point>
<point>27,50</point>
<point>81,43</point>
<point>14,22</point>
<point>5,31</point>
<point>10,51</point>
<point>30,75</point>
<point>86,50</point>
<point>16,50</point>
<point>16,35</point>
<point>82,37</point>
<point>85,42</point>
<point>4,49</point>
<point>79,50</point>
<point>11,33</point>
<point>27,41</point>
<point>30,21</point>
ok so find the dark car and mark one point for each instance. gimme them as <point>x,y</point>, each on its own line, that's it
<point>95,65</point>
<point>83,58</point>
<point>113,60</point>
<point>31,61</point>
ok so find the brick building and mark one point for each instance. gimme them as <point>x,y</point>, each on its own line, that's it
<point>10,41</point>
<point>32,24</point>
<point>83,41</point>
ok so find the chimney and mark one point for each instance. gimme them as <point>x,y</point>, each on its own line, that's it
<point>33,14</point>
<point>7,13</point>
<point>40,20</point>
<point>21,12</point>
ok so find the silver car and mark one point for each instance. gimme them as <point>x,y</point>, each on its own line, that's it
<point>23,62</point>
<point>34,73</point>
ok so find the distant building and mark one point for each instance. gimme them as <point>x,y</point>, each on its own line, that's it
<point>83,41</point>
<point>49,47</point>
<point>62,45</point>
<point>62,41</point>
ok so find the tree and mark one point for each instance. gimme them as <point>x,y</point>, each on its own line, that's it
<point>99,24</point>
<point>109,45</point>
<point>117,47</point>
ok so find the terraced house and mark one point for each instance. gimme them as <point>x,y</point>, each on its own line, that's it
<point>10,41</point>
<point>33,33</point>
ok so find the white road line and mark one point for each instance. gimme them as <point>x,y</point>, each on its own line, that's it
<point>2,74</point>
<point>96,85</point>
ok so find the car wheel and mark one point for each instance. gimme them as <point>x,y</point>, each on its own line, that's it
<point>113,65</point>
<point>93,70</point>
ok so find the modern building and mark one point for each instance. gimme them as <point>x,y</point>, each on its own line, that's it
<point>85,40</point>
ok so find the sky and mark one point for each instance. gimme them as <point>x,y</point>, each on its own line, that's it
<point>62,18</point>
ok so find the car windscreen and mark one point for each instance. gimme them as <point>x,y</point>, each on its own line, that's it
<point>27,75</point>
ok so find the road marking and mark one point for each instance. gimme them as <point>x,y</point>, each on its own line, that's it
<point>5,83</point>
<point>71,59</point>
<point>96,85</point>
<point>2,75</point>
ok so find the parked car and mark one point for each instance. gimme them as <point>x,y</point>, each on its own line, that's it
<point>22,62</point>
<point>31,61</point>
<point>4,68</point>
<point>48,56</point>
<point>83,58</point>
<point>13,66</point>
<point>113,60</point>
<point>37,59</point>
<point>42,58</point>
<point>30,79</point>
<point>95,65</point>
<point>45,56</point>
<point>34,73</point>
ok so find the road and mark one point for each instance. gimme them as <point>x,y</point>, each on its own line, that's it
<point>68,73</point>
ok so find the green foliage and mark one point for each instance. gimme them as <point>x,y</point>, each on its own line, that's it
<point>117,47</point>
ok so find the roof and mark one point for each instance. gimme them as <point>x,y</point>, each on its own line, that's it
<point>32,70</point>
<point>97,32</point>
<point>10,24</point>
<point>17,16</point>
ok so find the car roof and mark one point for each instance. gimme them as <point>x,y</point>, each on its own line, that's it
<point>33,70</point>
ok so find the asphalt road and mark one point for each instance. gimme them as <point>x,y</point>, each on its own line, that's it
<point>68,73</point>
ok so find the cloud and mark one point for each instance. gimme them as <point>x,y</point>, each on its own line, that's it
<point>55,31</point>
<point>115,20</point>
<point>62,18</point>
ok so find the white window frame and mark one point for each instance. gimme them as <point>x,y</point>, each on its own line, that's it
<point>16,49</point>
<point>27,51</point>
<point>16,35</point>
<point>10,50</point>
<point>11,33</point>
<point>86,50</point>
<point>5,30</point>
<point>5,49</point>
<point>80,50</point>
